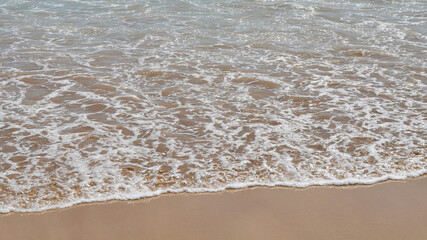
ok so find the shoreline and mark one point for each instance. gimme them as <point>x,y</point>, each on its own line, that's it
<point>227,189</point>
<point>237,189</point>
<point>386,210</point>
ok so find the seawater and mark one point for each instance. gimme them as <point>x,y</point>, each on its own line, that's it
<point>122,99</point>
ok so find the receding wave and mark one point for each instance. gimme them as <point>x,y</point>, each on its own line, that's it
<point>102,100</point>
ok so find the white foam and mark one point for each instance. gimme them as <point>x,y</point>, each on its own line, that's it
<point>136,100</point>
<point>142,195</point>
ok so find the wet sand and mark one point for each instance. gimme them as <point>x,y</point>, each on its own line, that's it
<point>391,210</point>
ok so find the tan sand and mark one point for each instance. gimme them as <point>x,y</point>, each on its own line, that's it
<point>392,210</point>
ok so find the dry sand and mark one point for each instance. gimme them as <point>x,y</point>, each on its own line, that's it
<point>391,210</point>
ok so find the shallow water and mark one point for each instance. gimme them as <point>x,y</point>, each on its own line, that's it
<point>127,99</point>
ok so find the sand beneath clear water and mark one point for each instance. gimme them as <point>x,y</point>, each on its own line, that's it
<point>390,210</point>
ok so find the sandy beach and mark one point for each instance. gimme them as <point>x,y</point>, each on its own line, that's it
<point>390,210</point>
<point>103,100</point>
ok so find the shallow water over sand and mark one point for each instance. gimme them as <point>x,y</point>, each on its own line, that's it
<point>126,99</point>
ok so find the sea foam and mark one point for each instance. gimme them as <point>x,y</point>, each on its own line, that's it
<point>103,101</point>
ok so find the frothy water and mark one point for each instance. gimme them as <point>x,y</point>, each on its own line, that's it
<point>126,99</point>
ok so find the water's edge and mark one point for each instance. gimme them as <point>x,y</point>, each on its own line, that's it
<point>347,183</point>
